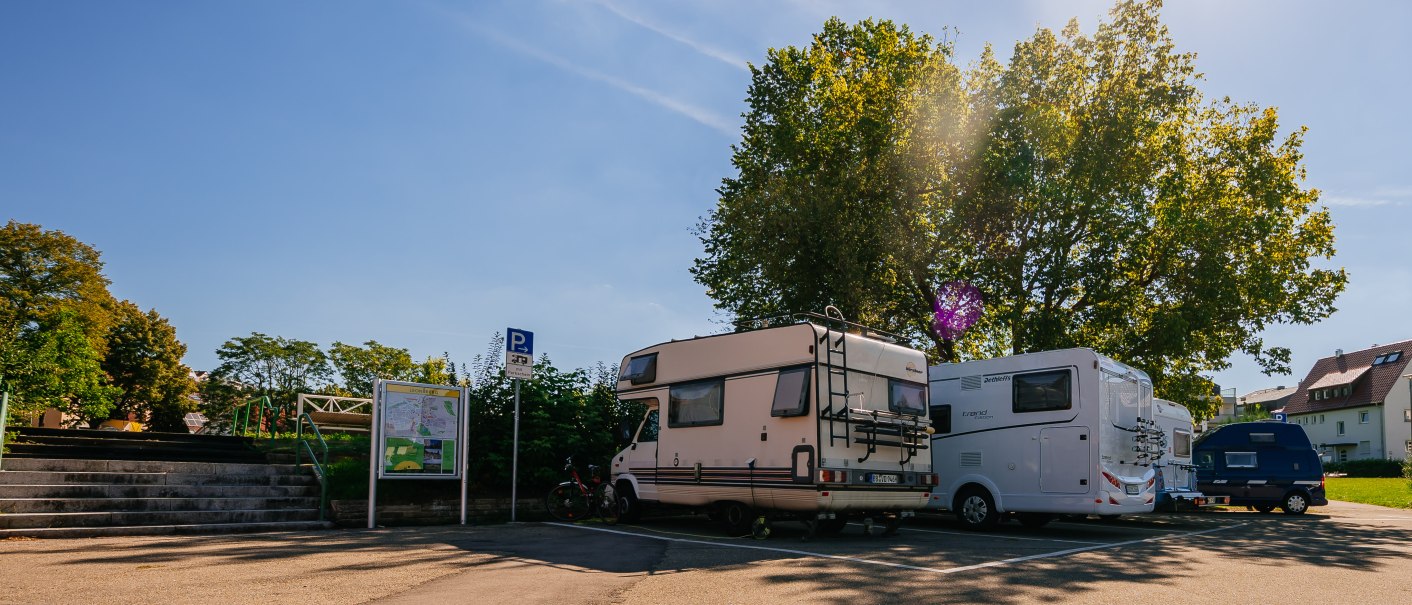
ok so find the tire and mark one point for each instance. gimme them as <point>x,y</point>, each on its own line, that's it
<point>736,517</point>
<point>831,527</point>
<point>1264,508</point>
<point>629,507</point>
<point>565,503</point>
<point>1034,520</point>
<point>605,499</point>
<point>1108,518</point>
<point>976,510</point>
<point>1295,503</point>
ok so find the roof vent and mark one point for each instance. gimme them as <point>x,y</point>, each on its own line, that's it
<point>1338,352</point>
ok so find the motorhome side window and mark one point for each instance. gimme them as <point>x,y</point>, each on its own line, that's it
<point>1181,443</point>
<point>1042,391</point>
<point>649,428</point>
<point>640,370</point>
<point>791,393</point>
<point>1262,437</point>
<point>696,404</point>
<point>1240,459</point>
<point>941,418</point>
<point>906,398</point>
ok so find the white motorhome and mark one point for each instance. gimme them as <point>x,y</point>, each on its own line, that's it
<point>817,420</point>
<point>1176,476</point>
<point>1065,432</point>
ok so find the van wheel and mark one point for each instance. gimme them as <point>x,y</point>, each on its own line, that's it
<point>1295,503</point>
<point>629,507</point>
<point>1035,520</point>
<point>976,510</point>
<point>736,517</point>
<point>1264,508</point>
<point>831,527</point>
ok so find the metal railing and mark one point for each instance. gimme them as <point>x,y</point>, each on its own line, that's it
<point>4,414</point>
<point>240,423</point>
<point>302,445</point>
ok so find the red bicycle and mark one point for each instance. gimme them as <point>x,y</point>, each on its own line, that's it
<point>574,500</point>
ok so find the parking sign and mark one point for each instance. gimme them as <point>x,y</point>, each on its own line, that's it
<point>519,353</point>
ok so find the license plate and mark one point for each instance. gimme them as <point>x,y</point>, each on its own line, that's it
<point>881,478</point>
<point>1132,490</point>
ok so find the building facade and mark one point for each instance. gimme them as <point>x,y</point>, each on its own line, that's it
<point>1357,405</point>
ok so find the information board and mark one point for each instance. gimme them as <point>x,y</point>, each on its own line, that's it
<point>419,430</point>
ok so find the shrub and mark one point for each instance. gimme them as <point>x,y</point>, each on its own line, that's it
<point>1367,468</point>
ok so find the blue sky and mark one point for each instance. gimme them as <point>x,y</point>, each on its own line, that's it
<point>428,173</point>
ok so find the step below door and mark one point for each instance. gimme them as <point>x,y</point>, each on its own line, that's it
<point>1064,466</point>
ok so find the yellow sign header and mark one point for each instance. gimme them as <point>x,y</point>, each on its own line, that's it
<point>435,392</point>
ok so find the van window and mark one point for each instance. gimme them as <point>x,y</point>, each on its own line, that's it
<point>649,428</point>
<point>1181,443</point>
<point>1042,391</point>
<point>906,397</point>
<point>696,404</point>
<point>941,418</point>
<point>1240,459</point>
<point>1262,437</point>
<point>641,369</point>
<point>1206,461</point>
<point>791,393</point>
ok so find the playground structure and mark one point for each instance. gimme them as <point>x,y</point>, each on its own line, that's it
<point>337,414</point>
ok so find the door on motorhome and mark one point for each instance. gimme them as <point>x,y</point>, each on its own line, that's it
<point>1063,460</point>
<point>642,458</point>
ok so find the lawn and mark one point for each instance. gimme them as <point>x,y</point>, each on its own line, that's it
<point>1395,493</point>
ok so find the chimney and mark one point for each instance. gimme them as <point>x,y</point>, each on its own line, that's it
<point>1339,353</point>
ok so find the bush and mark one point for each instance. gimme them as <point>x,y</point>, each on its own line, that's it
<point>1407,469</point>
<point>1368,468</point>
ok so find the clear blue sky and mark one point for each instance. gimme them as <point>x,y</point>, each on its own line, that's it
<point>427,174</point>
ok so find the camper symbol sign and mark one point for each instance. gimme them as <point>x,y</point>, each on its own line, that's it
<point>519,353</point>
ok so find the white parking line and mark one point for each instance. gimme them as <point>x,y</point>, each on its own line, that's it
<point>1005,537</point>
<point>948,570</point>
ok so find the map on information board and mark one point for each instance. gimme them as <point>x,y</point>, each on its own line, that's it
<point>420,429</point>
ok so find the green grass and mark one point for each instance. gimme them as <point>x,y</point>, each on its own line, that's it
<point>1395,493</point>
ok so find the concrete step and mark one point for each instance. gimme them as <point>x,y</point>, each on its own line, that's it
<point>28,432</point>
<point>165,530</point>
<point>174,517</point>
<point>93,505</point>
<point>120,445</point>
<point>174,479</point>
<point>144,466</point>
<point>307,488</point>
<point>21,450</point>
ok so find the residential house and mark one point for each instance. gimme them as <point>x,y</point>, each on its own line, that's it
<point>1357,405</point>
<point>1269,400</point>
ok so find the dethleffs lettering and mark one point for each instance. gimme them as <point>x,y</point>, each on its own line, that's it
<point>997,378</point>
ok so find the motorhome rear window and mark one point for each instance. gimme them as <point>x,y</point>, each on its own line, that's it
<point>791,393</point>
<point>1240,459</point>
<point>1042,391</point>
<point>1181,443</point>
<point>1262,437</point>
<point>640,370</point>
<point>941,418</point>
<point>696,404</point>
<point>906,398</point>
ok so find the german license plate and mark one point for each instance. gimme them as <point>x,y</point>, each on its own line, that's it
<point>1132,490</point>
<point>882,478</point>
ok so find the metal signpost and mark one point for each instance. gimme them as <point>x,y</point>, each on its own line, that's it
<point>519,365</point>
<point>419,431</point>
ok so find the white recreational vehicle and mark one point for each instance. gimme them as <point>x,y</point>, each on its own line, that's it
<point>1042,434</point>
<point>817,420</point>
<point>1176,477</point>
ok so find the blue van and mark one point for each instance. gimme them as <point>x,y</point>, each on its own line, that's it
<point>1261,464</point>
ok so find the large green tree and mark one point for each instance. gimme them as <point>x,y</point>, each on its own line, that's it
<point>360,366</point>
<point>273,366</point>
<point>1086,188</point>
<point>144,363</point>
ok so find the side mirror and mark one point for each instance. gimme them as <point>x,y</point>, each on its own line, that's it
<point>625,430</point>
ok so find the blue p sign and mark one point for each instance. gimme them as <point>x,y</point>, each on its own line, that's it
<point>519,341</point>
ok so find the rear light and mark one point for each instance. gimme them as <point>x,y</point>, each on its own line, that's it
<point>1111,500</point>
<point>932,479</point>
<point>1114,480</point>
<point>1151,481</point>
<point>828,476</point>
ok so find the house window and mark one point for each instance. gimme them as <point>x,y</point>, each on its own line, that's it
<point>1362,418</point>
<point>1340,428</point>
<point>1240,459</point>
<point>1318,395</point>
<point>1365,448</point>
<point>1042,391</point>
<point>1379,360</point>
<point>1394,356</point>
<point>1347,390</point>
<point>1321,418</point>
<point>791,393</point>
<point>696,404</point>
<point>1407,415</point>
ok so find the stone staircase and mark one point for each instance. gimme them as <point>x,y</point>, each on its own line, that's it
<point>77,483</point>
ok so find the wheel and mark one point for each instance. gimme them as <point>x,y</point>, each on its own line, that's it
<point>976,510</point>
<point>831,527</point>
<point>1108,518</point>
<point>605,499</point>
<point>629,507</point>
<point>565,503</point>
<point>1034,520</point>
<point>1295,503</point>
<point>736,517</point>
<point>891,523</point>
<point>1264,508</point>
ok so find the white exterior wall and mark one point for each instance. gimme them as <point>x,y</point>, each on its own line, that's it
<point>1322,428</point>
<point>1395,410</point>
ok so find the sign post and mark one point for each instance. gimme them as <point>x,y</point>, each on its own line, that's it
<point>519,365</point>
<point>419,431</point>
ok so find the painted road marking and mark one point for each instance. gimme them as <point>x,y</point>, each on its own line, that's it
<point>1003,537</point>
<point>948,570</point>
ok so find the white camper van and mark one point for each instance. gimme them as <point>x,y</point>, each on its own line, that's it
<point>1176,476</point>
<point>1042,434</point>
<point>817,420</point>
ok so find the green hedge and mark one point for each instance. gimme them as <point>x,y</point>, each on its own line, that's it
<point>1366,468</point>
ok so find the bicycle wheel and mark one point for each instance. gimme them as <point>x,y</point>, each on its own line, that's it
<point>565,503</point>
<point>605,499</point>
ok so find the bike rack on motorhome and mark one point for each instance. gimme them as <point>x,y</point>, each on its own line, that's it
<point>1176,476</point>
<point>1042,434</point>
<point>810,418</point>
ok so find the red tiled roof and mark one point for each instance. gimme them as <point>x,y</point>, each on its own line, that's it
<point>1371,384</point>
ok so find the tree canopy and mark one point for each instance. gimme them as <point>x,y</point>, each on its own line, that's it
<point>1086,188</point>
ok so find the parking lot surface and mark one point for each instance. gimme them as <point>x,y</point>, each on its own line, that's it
<point>1343,553</point>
